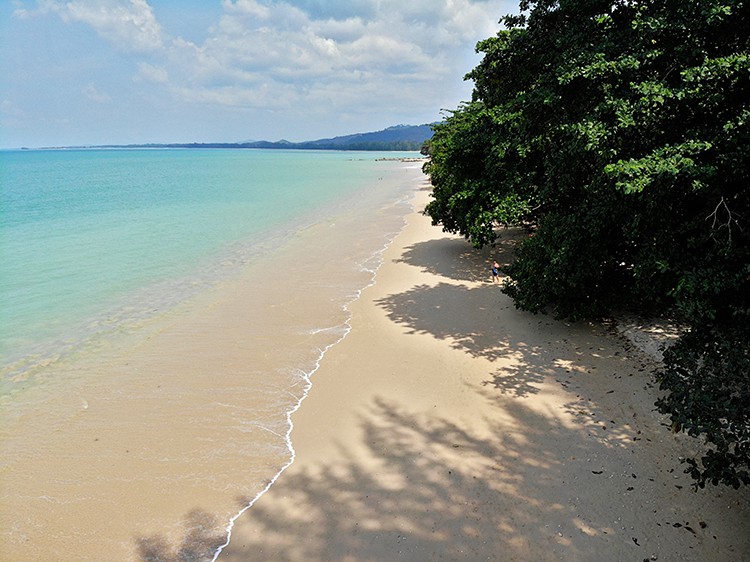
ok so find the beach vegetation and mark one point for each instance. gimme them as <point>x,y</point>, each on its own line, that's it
<point>618,132</point>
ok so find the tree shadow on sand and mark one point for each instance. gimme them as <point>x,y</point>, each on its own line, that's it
<point>437,493</point>
<point>476,317</point>
<point>525,350</point>
<point>204,534</point>
<point>434,490</point>
<point>553,480</point>
<point>454,258</point>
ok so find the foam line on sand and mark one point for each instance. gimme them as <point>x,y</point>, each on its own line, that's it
<point>448,425</point>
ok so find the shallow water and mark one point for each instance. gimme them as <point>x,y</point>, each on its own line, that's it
<point>156,396</point>
<point>99,234</point>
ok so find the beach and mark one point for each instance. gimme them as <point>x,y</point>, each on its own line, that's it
<point>168,409</point>
<point>358,389</point>
<point>450,426</point>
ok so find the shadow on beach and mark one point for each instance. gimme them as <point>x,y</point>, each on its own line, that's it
<point>445,493</point>
<point>475,317</point>
<point>455,259</point>
<point>578,470</point>
<point>203,536</point>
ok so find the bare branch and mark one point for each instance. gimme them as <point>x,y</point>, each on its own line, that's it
<point>723,217</point>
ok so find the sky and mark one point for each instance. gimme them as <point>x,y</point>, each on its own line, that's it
<point>89,72</point>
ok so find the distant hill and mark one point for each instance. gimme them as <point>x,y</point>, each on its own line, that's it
<point>400,137</point>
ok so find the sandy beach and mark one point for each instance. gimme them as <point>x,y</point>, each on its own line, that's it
<point>450,426</point>
<point>445,425</point>
<point>166,423</point>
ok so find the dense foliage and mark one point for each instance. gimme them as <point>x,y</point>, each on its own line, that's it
<point>619,130</point>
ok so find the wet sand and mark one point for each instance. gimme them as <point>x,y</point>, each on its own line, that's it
<point>450,426</point>
<point>446,425</point>
<point>144,444</point>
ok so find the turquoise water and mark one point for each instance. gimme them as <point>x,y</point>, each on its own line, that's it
<point>169,308</point>
<point>83,231</point>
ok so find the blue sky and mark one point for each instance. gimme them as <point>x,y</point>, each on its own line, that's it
<point>78,72</point>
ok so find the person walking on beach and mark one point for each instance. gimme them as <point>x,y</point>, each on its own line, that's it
<point>495,272</point>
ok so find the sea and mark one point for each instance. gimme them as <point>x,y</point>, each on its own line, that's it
<point>162,314</point>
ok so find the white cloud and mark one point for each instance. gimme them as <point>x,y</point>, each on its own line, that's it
<point>377,53</point>
<point>11,115</point>
<point>150,73</point>
<point>94,94</point>
<point>129,24</point>
<point>264,96</point>
<point>301,61</point>
<point>10,109</point>
<point>272,42</point>
<point>247,7</point>
<point>43,7</point>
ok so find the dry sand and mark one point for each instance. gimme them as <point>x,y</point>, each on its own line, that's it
<point>450,426</point>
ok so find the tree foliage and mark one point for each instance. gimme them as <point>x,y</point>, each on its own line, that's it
<point>620,130</point>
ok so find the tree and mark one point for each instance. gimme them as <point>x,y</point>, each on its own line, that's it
<point>620,129</point>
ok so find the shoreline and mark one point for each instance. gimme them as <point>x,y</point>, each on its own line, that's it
<point>148,442</point>
<point>449,425</point>
<point>378,255</point>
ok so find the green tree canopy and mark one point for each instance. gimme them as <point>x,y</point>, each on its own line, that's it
<point>620,130</point>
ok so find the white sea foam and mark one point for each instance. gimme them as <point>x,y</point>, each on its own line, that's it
<point>373,264</point>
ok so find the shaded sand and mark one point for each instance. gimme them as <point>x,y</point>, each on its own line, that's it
<point>449,426</point>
